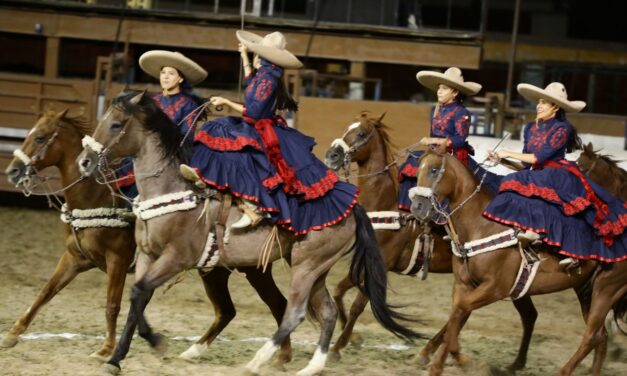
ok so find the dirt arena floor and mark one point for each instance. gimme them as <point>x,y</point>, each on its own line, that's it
<point>31,243</point>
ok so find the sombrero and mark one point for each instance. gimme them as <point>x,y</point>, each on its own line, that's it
<point>554,92</point>
<point>452,77</point>
<point>151,62</point>
<point>271,47</point>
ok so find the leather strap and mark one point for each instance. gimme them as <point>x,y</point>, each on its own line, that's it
<point>223,215</point>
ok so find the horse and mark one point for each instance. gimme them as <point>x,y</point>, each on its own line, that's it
<point>55,140</point>
<point>367,143</point>
<point>604,170</point>
<point>488,276</point>
<point>173,216</point>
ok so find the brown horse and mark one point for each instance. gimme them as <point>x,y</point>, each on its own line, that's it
<point>604,170</point>
<point>488,277</point>
<point>55,140</point>
<point>368,144</point>
<point>178,225</point>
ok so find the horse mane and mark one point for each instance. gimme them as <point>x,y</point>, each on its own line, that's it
<point>155,121</point>
<point>78,122</point>
<point>389,149</point>
<point>612,163</point>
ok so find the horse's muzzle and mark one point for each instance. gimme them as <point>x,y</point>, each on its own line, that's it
<point>422,208</point>
<point>16,172</point>
<point>334,157</point>
<point>87,162</point>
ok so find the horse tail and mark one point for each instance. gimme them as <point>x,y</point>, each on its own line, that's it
<point>369,274</point>
<point>620,313</point>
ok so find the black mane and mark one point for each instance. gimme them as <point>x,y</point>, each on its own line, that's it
<point>155,121</point>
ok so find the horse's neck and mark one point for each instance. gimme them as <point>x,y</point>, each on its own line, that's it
<point>155,176</point>
<point>468,220</point>
<point>86,194</point>
<point>378,190</point>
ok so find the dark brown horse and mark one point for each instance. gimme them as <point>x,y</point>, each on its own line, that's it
<point>178,225</point>
<point>368,144</point>
<point>488,277</point>
<point>604,170</point>
<point>55,140</point>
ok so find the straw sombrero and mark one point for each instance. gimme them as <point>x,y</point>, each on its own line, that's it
<point>151,62</point>
<point>452,77</point>
<point>554,92</point>
<point>271,47</point>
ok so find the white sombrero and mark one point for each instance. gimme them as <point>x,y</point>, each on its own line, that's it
<point>271,47</point>
<point>151,62</point>
<point>554,92</point>
<point>452,77</point>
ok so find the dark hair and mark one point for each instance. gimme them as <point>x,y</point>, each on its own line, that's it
<point>284,100</point>
<point>574,141</point>
<point>461,98</point>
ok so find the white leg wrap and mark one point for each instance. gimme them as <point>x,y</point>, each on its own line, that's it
<point>316,364</point>
<point>194,351</point>
<point>262,356</point>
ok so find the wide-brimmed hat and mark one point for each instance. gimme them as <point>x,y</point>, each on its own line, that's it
<point>271,47</point>
<point>151,62</point>
<point>554,92</point>
<point>452,77</point>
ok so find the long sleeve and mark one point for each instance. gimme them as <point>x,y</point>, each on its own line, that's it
<point>554,144</point>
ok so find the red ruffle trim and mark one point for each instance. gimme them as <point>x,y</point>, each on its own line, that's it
<point>126,180</point>
<point>404,208</point>
<point>409,171</point>
<point>226,144</point>
<point>570,208</point>
<point>330,223</point>
<point>272,182</point>
<point>317,189</point>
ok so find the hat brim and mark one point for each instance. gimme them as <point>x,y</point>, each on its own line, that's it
<point>282,58</point>
<point>533,93</point>
<point>151,62</point>
<point>432,79</point>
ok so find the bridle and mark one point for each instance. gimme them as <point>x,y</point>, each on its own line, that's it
<point>592,166</point>
<point>29,162</point>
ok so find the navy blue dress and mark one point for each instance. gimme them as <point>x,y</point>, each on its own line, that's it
<point>177,107</point>
<point>259,158</point>
<point>554,198</point>
<point>452,122</point>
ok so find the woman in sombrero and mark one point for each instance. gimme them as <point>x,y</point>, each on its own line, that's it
<point>176,74</point>
<point>450,122</point>
<point>549,198</point>
<point>261,160</point>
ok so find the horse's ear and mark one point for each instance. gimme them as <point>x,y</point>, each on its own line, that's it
<point>137,98</point>
<point>588,148</point>
<point>381,117</point>
<point>62,114</point>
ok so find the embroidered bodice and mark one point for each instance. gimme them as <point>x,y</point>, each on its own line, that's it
<point>547,140</point>
<point>260,96</point>
<point>452,122</point>
<point>177,107</point>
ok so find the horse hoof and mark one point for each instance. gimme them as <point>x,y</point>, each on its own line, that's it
<point>111,369</point>
<point>161,344</point>
<point>356,339</point>
<point>100,356</point>
<point>8,341</point>
<point>516,366</point>
<point>495,371</point>
<point>334,356</point>
<point>421,360</point>
<point>193,352</point>
<point>247,372</point>
<point>463,360</point>
<point>278,366</point>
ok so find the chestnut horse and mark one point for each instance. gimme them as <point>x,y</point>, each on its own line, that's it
<point>178,225</point>
<point>604,170</point>
<point>367,143</point>
<point>55,140</point>
<point>488,277</point>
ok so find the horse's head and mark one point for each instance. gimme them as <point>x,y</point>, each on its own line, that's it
<point>355,145</point>
<point>117,135</point>
<point>434,184</point>
<point>46,144</point>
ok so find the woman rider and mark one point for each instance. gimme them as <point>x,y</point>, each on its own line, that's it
<point>176,73</point>
<point>549,197</point>
<point>450,122</point>
<point>261,160</point>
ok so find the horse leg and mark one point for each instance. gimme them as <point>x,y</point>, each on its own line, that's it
<point>357,308</point>
<point>338,295</point>
<point>164,268</point>
<point>217,289</point>
<point>117,267</point>
<point>326,313</point>
<point>67,269</point>
<point>528,316</point>
<point>268,291</point>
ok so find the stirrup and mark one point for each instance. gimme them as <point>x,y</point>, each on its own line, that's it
<point>250,217</point>
<point>190,174</point>
<point>528,236</point>
<point>569,263</point>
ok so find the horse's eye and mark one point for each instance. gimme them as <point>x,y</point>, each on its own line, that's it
<point>40,138</point>
<point>433,171</point>
<point>116,125</point>
<point>361,134</point>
